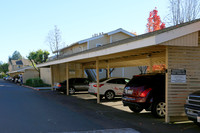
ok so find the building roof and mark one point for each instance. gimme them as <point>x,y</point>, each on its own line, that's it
<point>144,40</point>
<point>24,62</point>
<point>99,36</point>
<point>22,70</point>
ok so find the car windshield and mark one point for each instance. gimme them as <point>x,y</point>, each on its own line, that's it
<point>102,80</point>
<point>139,81</point>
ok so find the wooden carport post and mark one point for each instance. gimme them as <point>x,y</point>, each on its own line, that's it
<point>150,63</point>
<point>83,71</point>
<point>108,69</point>
<point>167,120</point>
<point>52,77</point>
<point>67,78</point>
<point>97,77</point>
<point>58,72</point>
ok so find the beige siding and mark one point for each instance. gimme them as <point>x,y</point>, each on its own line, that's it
<point>102,40</point>
<point>45,75</point>
<point>187,58</point>
<point>119,36</point>
<point>66,52</point>
<point>188,40</point>
<point>74,49</point>
<point>59,72</point>
<point>79,47</point>
<point>30,73</point>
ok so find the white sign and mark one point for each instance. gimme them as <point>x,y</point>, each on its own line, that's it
<point>178,76</point>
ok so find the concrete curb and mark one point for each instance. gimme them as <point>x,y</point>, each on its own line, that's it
<point>30,87</point>
<point>37,89</point>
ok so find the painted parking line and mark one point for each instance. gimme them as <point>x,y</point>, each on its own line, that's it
<point>122,130</point>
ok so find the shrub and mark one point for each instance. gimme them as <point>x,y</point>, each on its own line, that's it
<point>3,75</point>
<point>35,82</point>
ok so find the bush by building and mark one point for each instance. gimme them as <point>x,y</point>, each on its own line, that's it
<point>35,82</point>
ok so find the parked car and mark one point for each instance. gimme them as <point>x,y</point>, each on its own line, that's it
<point>192,107</point>
<point>16,79</point>
<point>146,92</point>
<point>75,84</point>
<point>109,88</point>
<point>6,77</point>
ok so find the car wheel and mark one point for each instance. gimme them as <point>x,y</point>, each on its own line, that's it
<point>109,95</point>
<point>71,90</point>
<point>101,97</point>
<point>135,109</point>
<point>159,109</point>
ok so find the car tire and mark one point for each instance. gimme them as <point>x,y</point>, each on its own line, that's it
<point>109,95</point>
<point>159,109</point>
<point>101,97</point>
<point>71,91</point>
<point>135,109</point>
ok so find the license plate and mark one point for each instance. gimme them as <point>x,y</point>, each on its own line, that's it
<point>129,92</point>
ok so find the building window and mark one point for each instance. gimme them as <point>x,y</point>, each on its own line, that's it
<point>100,70</point>
<point>98,45</point>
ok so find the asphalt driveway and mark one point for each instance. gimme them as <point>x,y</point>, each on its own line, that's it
<point>27,110</point>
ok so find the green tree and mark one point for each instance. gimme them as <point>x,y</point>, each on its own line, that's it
<point>37,57</point>
<point>4,67</point>
<point>15,56</point>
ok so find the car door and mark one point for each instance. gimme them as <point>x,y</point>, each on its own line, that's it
<point>80,84</point>
<point>121,82</point>
<point>85,84</point>
<point>117,85</point>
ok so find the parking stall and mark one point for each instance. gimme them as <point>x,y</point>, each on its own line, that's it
<point>176,47</point>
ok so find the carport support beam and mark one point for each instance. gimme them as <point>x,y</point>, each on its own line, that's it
<point>167,119</point>
<point>108,70</point>
<point>52,77</point>
<point>97,72</point>
<point>83,71</point>
<point>67,78</point>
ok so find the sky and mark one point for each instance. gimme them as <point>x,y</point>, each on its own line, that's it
<point>25,24</point>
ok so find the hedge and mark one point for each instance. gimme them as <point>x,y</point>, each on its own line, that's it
<point>35,82</point>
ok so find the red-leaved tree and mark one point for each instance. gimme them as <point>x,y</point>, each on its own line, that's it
<point>154,22</point>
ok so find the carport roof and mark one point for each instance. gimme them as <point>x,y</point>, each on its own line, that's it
<point>21,70</point>
<point>141,41</point>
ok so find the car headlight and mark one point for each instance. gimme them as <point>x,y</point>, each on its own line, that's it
<point>187,100</point>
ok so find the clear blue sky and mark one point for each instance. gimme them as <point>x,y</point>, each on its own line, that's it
<point>25,24</point>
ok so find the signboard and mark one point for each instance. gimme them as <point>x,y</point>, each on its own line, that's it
<point>178,76</point>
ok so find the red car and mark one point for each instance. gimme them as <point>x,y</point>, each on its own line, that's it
<point>146,92</point>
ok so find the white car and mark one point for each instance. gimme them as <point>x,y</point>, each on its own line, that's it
<point>109,87</point>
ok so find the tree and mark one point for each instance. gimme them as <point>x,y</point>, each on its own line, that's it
<point>37,57</point>
<point>15,56</point>
<point>183,11</point>
<point>154,22</point>
<point>110,71</point>
<point>54,40</point>
<point>4,67</point>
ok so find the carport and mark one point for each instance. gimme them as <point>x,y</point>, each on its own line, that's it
<point>177,47</point>
<point>27,72</point>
